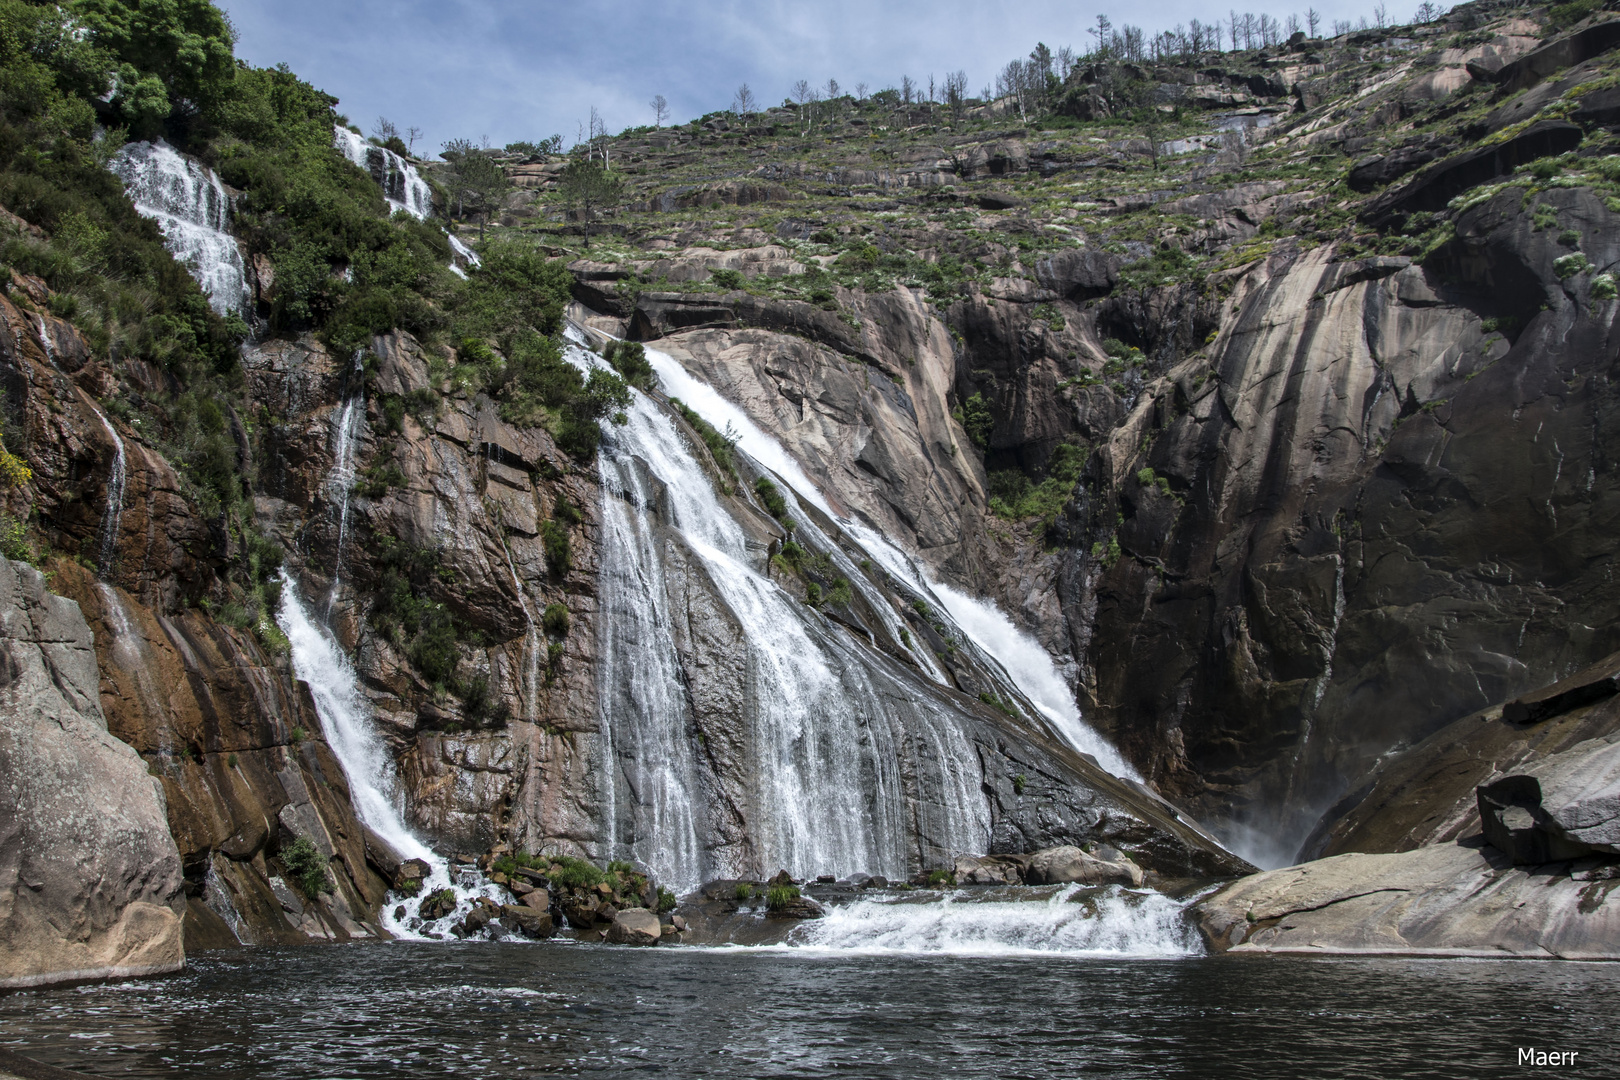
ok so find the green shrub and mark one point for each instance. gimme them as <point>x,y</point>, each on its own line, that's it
<point>727,279</point>
<point>1019,783</point>
<point>775,504</point>
<point>14,540</point>
<point>231,761</point>
<point>1603,287</point>
<point>840,594</point>
<point>1570,265</point>
<point>666,901</point>
<point>780,896</point>
<point>976,420</point>
<point>629,359</point>
<point>719,443</point>
<point>555,620</point>
<point>939,878</point>
<point>298,735</point>
<point>575,873</point>
<point>559,551</point>
<point>744,891</point>
<point>812,593</point>
<point>619,866</point>
<point>306,866</point>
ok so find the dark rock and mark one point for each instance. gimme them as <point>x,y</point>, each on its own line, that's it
<point>1599,107</point>
<point>1379,169</point>
<point>527,921</point>
<point>799,907</point>
<point>538,899</point>
<point>476,920</point>
<point>1437,185</point>
<point>1599,681</point>
<point>1079,274</point>
<point>995,200</point>
<point>1557,55</point>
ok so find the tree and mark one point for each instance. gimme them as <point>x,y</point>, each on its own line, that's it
<point>660,109</point>
<point>476,177</point>
<point>745,104</point>
<point>908,89</point>
<point>170,54</point>
<point>860,93</point>
<point>1313,19</point>
<point>589,187</point>
<point>384,129</point>
<point>956,85</point>
<point>1428,12</point>
<point>412,133</point>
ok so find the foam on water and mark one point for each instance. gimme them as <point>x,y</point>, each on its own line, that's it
<point>402,185</point>
<point>1073,921</point>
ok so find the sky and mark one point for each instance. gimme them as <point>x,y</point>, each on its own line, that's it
<point>527,70</point>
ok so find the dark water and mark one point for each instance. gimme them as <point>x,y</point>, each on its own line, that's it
<point>505,1010</point>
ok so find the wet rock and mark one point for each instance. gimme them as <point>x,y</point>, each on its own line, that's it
<point>990,869</point>
<point>635,926</point>
<point>437,906</point>
<point>478,918</point>
<point>527,921</point>
<point>1066,865</point>
<point>579,909</point>
<point>92,886</point>
<point>798,907</point>
<point>539,899</point>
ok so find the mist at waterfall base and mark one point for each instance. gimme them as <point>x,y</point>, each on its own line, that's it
<point>484,1010</point>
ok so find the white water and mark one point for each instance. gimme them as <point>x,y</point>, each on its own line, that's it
<point>345,720</point>
<point>191,207</point>
<point>1027,665</point>
<point>828,728</point>
<point>1106,922</point>
<point>402,185</point>
<point>340,481</point>
<point>113,515</point>
<point>468,255</point>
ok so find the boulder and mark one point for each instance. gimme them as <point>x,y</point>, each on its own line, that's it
<point>1066,865</point>
<point>799,907</point>
<point>1079,274</point>
<point>526,921</point>
<point>1592,684</point>
<point>579,908</point>
<point>1565,806</point>
<point>90,878</point>
<point>1556,55</point>
<point>538,899</point>
<point>990,869</point>
<point>635,926</point>
<point>1450,899</point>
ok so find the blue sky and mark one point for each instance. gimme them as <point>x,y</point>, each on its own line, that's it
<point>474,68</point>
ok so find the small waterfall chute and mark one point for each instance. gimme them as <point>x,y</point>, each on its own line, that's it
<point>402,185</point>
<point>112,517</point>
<point>193,210</point>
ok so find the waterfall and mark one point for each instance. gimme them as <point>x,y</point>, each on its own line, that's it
<point>1074,920</point>
<point>340,481</point>
<point>829,724</point>
<point>190,205</point>
<point>113,516</point>
<point>402,185</point>
<point>1027,665</point>
<point>345,720</point>
<point>464,253</point>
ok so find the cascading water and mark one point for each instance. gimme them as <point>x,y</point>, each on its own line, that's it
<point>402,185</point>
<point>191,207</point>
<point>1074,920</point>
<point>340,481</point>
<point>113,516</point>
<point>464,253</point>
<point>319,661</point>
<point>1026,664</point>
<point>827,722</point>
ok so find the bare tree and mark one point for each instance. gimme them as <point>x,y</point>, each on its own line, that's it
<point>1065,62</point>
<point>598,138</point>
<point>412,133</point>
<point>860,93</point>
<point>1291,27</point>
<point>832,90</point>
<point>1313,19</point>
<point>1232,27</point>
<point>1427,12</point>
<point>956,85</point>
<point>908,89</point>
<point>801,94</point>
<point>745,105</point>
<point>1341,27</point>
<point>1381,14</point>
<point>660,109</point>
<point>384,129</point>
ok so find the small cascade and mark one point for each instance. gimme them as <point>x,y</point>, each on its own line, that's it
<point>531,644</point>
<point>1074,921</point>
<point>402,185</point>
<point>320,662</point>
<point>340,481</point>
<point>191,207</point>
<point>464,255</point>
<point>217,896</point>
<point>113,515</point>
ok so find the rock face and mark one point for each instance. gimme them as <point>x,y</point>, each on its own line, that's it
<point>90,881</point>
<point>1442,900</point>
<point>1065,865</point>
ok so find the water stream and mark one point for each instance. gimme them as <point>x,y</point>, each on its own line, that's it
<point>192,208</point>
<point>113,516</point>
<point>340,480</point>
<point>402,185</point>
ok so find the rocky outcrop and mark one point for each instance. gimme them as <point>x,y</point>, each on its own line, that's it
<point>90,881</point>
<point>1443,900</point>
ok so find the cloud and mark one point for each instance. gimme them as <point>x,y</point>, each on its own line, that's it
<point>474,68</point>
